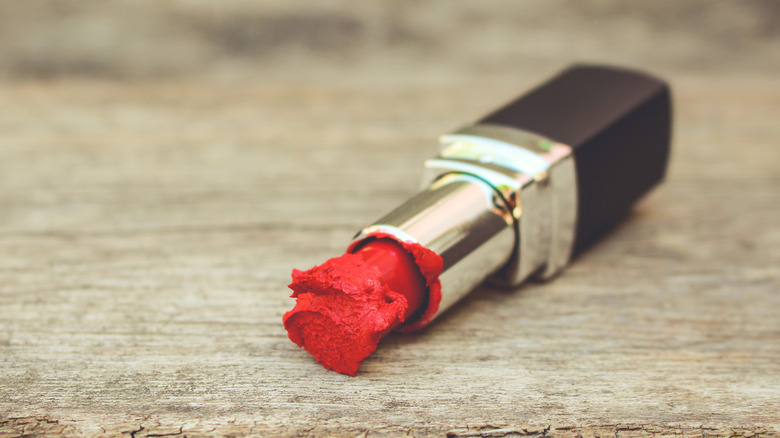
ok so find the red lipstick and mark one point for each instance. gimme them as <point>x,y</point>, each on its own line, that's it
<point>514,196</point>
<point>347,304</point>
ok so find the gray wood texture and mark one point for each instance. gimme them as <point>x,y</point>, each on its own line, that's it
<point>164,166</point>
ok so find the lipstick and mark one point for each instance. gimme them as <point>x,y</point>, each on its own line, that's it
<point>512,197</point>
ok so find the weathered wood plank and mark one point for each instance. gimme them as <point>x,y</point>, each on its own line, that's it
<point>148,226</point>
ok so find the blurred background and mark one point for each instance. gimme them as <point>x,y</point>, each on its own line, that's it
<point>270,39</point>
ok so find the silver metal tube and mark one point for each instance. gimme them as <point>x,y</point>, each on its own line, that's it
<point>501,204</point>
<point>464,220</point>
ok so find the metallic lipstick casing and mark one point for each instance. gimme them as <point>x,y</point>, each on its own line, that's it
<point>522,191</point>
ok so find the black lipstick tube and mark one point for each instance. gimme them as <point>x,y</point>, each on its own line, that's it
<point>523,190</point>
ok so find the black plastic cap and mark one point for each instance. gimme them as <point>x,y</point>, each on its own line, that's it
<point>619,124</point>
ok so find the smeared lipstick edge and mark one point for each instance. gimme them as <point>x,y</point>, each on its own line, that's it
<point>431,266</point>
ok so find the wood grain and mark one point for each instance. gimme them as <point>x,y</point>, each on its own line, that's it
<point>163,167</point>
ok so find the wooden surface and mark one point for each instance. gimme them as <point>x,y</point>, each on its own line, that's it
<point>164,166</point>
